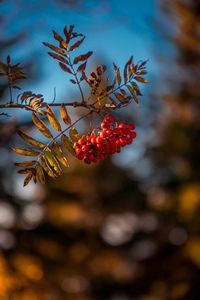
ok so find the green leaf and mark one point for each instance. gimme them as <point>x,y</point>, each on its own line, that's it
<point>53,162</point>
<point>59,154</point>
<point>73,133</point>
<point>67,144</point>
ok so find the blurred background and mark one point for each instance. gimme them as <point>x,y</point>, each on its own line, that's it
<point>127,228</point>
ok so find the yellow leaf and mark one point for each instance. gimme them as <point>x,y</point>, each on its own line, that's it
<point>39,173</point>
<point>27,163</point>
<point>59,154</point>
<point>41,126</point>
<point>67,144</point>
<point>28,139</point>
<point>45,165</point>
<point>73,133</point>
<point>26,152</point>
<point>64,115</point>
<point>53,119</point>
<point>53,162</point>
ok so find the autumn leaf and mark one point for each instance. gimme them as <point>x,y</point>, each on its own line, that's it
<point>53,119</point>
<point>82,57</point>
<point>64,115</point>
<point>41,126</point>
<point>26,152</point>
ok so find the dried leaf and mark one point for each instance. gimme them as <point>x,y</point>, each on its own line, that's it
<point>82,67</point>
<point>53,119</point>
<point>27,163</point>
<point>57,36</point>
<point>41,126</point>
<point>141,72</point>
<point>28,179</point>
<point>28,139</point>
<point>143,64</point>
<point>82,57</point>
<point>25,96</point>
<point>59,154</point>
<point>73,81</point>
<point>126,69</point>
<point>131,70</point>
<point>73,133</point>
<point>65,68</point>
<point>39,173</point>
<point>67,144</point>
<point>100,70</point>
<point>133,93</point>
<point>58,57</point>
<point>135,86</point>
<point>117,73</point>
<point>26,171</point>
<point>26,152</point>
<point>120,97</point>
<point>77,44</point>
<point>123,92</point>
<point>64,115</point>
<point>54,48</point>
<point>140,79</point>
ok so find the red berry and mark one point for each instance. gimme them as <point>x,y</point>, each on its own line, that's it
<point>131,126</point>
<point>78,150</point>
<point>93,140</point>
<point>133,134</point>
<point>82,141</point>
<point>80,156</point>
<point>109,119</point>
<point>122,126</point>
<point>85,148</point>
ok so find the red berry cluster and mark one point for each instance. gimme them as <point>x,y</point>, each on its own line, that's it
<point>109,140</point>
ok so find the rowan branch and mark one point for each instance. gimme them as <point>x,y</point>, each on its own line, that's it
<point>43,104</point>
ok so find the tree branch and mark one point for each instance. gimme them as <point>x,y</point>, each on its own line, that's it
<point>43,104</point>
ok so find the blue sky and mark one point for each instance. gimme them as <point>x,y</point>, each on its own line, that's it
<point>115,30</point>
